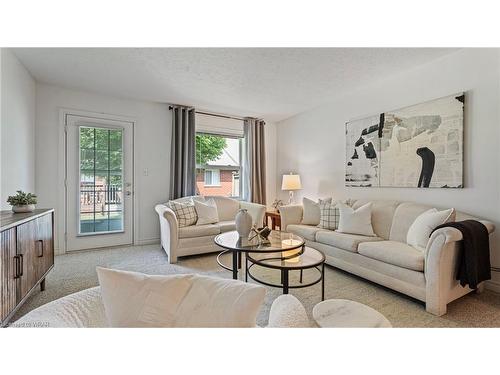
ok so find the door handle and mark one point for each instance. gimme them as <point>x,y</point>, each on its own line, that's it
<point>40,253</point>
<point>16,267</point>
<point>128,192</point>
<point>21,266</point>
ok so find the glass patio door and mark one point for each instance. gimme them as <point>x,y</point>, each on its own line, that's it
<point>99,187</point>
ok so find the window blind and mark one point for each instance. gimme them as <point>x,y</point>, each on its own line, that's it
<point>219,125</point>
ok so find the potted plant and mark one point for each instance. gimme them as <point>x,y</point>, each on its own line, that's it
<point>22,202</point>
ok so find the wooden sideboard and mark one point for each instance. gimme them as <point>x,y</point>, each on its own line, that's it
<point>26,257</point>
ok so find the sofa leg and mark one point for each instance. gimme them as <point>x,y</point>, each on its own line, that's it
<point>435,309</point>
<point>172,259</point>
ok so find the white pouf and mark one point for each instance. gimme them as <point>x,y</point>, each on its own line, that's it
<point>343,313</point>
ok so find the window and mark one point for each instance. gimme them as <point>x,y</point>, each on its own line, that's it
<point>212,177</point>
<point>101,186</point>
<point>218,164</point>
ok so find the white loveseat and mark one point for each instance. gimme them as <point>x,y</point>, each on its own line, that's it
<point>427,275</point>
<point>199,239</point>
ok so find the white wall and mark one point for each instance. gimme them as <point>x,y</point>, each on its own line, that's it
<point>270,147</point>
<point>152,151</point>
<point>17,128</point>
<point>313,143</point>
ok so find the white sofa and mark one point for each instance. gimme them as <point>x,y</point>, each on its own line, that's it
<point>199,239</point>
<point>428,275</point>
<point>85,309</point>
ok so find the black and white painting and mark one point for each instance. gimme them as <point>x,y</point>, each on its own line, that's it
<point>416,146</point>
<point>363,147</point>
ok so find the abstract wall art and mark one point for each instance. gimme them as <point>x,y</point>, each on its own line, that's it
<point>417,146</point>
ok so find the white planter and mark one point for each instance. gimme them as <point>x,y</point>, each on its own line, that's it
<point>24,208</point>
<point>243,223</point>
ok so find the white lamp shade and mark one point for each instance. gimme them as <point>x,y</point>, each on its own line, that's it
<point>291,182</point>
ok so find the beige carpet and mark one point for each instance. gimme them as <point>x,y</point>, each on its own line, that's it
<point>76,271</point>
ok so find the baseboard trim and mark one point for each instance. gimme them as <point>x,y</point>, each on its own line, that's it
<point>492,285</point>
<point>59,252</point>
<point>148,241</point>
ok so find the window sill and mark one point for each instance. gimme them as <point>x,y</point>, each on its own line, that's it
<point>209,186</point>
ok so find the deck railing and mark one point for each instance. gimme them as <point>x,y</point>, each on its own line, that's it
<point>99,196</point>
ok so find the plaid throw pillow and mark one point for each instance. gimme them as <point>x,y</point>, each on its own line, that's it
<point>329,215</point>
<point>185,213</point>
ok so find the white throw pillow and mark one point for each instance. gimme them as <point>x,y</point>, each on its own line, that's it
<point>137,300</point>
<point>311,211</point>
<point>185,213</point>
<point>356,221</point>
<point>421,229</point>
<point>206,211</point>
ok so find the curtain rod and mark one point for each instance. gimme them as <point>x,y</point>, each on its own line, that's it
<point>214,114</point>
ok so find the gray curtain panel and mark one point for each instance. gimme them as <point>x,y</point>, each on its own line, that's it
<point>182,163</point>
<point>254,178</point>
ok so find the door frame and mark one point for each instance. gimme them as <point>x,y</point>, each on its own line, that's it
<point>61,227</point>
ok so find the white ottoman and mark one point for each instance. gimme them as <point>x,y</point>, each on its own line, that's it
<point>343,313</point>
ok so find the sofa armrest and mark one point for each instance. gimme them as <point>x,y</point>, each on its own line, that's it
<point>291,214</point>
<point>447,235</point>
<point>256,211</point>
<point>287,312</point>
<point>169,230</point>
<point>441,260</point>
<point>489,225</point>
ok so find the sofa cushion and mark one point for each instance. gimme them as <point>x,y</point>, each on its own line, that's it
<point>343,241</point>
<point>357,221</point>
<point>226,226</point>
<point>226,207</point>
<point>185,213</point>
<point>199,230</point>
<point>188,199</point>
<point>382,214</point>
<point>395,253</point>
<point>421,229</point>
<point>206,211</point>
<point>307,232</point>
<point>134,299</point>
<point>83,309</point>
<point>404,216</point>
<point>329,215</point>
<point>311,210</point>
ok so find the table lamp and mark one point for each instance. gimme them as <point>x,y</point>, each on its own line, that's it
<point>290,183</point>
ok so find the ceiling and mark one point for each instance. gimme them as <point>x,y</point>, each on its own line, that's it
<point>271,83</point>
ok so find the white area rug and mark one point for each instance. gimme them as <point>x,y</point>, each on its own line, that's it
<point>76,271</point>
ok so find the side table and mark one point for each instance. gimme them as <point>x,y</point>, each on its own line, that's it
<point>275,219</point>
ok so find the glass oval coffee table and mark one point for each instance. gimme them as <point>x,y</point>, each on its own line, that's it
<point>308,258</point>
<point>278,241</point>
<point>284,251</point>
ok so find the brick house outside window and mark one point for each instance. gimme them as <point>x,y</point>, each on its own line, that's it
<point>222,176</point>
